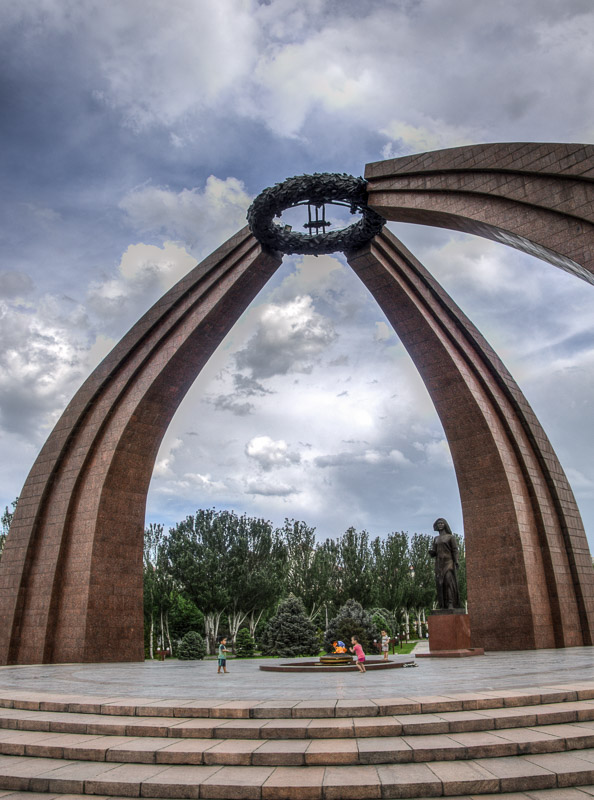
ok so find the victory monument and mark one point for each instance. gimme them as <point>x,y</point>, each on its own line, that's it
<point>71,571</point>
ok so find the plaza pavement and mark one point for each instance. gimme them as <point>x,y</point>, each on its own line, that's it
<point>199,679</point>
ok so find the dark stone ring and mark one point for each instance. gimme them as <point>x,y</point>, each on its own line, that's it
<point>315,190</point>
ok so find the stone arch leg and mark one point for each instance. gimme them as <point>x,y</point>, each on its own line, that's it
<point>71,571</point>
<point>530,578</point>
<point>538,198</point>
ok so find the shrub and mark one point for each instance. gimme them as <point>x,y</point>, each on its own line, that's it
<point>192,647</point>
<point>290,632</point>
<point>352,620</point>
<point>244,644</point>
<point>381,622</point>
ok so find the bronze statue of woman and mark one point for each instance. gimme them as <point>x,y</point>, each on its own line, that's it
<point>445,552</point>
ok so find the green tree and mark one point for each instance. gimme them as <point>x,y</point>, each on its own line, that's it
<point>197,549</point>
<point>158,589</point>
<point>192,647</point>
<point>391,567</point>
<point>184,616</point>
<point>312,568</point>
<point>290,632</point>
<point>325,577</point>
<point>300,542</point>
<point>5,520</point>
<point>383,620</point>
<point>356,577</point>
<point>351,620</point>
<point>421,594</point>
<point>228,565</point>
<point>256,567</point>
<point>244,644</point>
<point>462,587</point>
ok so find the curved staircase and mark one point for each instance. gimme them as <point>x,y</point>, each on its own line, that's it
<point>539,743</point>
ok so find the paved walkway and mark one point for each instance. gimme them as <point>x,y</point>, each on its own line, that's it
<point>199,679</point>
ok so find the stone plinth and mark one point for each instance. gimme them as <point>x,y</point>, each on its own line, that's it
<point>449,635</point>
<point>449,631</point>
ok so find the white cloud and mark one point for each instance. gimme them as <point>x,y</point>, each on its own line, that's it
<point>426,74</point>
<point>203,482</point>
<point>432,135</point>
<point>164,466</point>
<point>270,454</point>
<point>311,276</point>
<point>383,332</point>
<point>290,338</point>
<point>436,451</point>
<point>200,218</point>
<point>143,274</point>
<point>370,456</point>
<point>41,362</point>
<point>156,61</point>
<point>269,489</point>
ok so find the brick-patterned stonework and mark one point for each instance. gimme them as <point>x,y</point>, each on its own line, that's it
<point>530,577</point>
<point>71,571</point>
<point>538,198</point>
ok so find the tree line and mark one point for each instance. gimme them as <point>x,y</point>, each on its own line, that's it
<point>217,572</point>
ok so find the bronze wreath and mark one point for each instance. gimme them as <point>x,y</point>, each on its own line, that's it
<point>316,189</point>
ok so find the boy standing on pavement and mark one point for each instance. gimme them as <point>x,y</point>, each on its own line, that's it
<point>223,655</point>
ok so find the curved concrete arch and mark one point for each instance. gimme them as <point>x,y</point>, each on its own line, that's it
<point>71,570</point>
<point>538,198</point>
<point>529,571</point>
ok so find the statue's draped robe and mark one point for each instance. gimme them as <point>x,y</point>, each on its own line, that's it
<point>445,553</point>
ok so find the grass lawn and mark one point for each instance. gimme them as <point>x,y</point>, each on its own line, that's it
<point>406,648</point>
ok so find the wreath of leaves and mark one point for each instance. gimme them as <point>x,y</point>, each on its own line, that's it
<point>318,188</point>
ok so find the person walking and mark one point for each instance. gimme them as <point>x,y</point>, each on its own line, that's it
<point>358,651</point>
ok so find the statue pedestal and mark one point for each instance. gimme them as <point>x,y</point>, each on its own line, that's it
<point>449,635</point>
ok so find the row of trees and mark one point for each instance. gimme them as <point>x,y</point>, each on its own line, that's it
<point>217,572</point>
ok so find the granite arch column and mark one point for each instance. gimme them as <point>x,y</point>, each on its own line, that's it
<point>530,577</point>
<point>71,571</point>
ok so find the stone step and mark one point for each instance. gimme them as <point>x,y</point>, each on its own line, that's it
<point>504,742</point>
<point>568,793</point>
<point>528,773</point>
<point>296,709</point>
<point>443,722</point>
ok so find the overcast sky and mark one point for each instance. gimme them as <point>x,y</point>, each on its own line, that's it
<point>134,136</point>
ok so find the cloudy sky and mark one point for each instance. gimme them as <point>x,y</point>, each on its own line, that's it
<point>134,136</point>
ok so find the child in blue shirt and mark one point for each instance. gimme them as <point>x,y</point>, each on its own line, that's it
<point>223,655</point>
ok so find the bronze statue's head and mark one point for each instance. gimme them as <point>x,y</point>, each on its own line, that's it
<point>446,527</point>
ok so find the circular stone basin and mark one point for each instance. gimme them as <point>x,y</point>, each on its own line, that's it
<point>317,666</point>
<point>336,658</point>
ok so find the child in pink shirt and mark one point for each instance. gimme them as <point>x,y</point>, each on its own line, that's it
<point>358,651</point>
